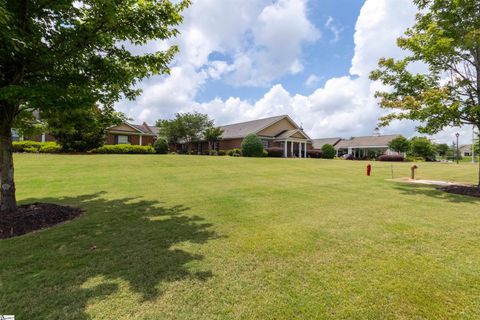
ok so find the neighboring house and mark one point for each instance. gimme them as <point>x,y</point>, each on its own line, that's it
<point>361,147</point>
<point>465,150</point>
<point>319,143</point>
<point>275,132</point>
<point>135,134</point>
<point>126,133</point>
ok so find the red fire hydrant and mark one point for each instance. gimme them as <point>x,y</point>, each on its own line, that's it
<point>369,169</point>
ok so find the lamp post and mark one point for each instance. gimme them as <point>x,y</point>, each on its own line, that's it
<point>456,156</point>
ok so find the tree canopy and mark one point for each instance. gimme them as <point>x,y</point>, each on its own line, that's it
<point>445,40</point>
<point>399,144</point>
<point>252,146</point>
<point>60,55</point>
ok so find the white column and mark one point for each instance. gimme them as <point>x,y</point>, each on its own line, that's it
<point>305,150</point>
<point>141,140</point>
<point>286,150</point>
<point>291,148</point>
<point>299,149</point>
<point>43,137</point>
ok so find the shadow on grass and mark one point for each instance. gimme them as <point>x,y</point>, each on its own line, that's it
<point>412,189</point>
<point>53,274</point>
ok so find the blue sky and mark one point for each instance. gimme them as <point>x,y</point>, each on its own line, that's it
<point>310,59</point>
<point>327,58</point>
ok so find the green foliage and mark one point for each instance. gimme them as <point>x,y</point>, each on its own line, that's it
<point>399,144</point>
<point>446,38</point>
<point>212,134</point>
<point>35,147</point>
<point>328,151</point>
<point>222,152</point>
<point>264,153</point>
<point>252,146</point>
<point>124,149</point>
<point>442,149</point>
<point>161,146</point>
<point>82,129</point>
<point>234,152</point>
<point>421,147</point>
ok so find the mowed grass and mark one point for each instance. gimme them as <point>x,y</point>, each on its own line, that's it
<point>186,237</point>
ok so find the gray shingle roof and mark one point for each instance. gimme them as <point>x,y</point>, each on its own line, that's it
<point>240,130</point>
<point>368,141</point>
<point>319,143</point>
<point>145,129</point>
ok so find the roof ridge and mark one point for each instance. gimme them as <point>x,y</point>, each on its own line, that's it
<point>236,123</point>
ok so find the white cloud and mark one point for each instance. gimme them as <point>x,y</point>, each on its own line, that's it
<point>312,80</point>
<point>335,29</point>
<point>262,41</point>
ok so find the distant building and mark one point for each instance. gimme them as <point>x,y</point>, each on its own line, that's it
<point>319,143</point>
<point>361,147</point>
<point>465,150</point>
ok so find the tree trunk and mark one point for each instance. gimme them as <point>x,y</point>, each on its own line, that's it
<point>478,157</point>
<point>8,202</point>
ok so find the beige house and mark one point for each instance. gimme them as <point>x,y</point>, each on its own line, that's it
<point>275,132</point>
<point>127,133</point>
<point>361,147</point>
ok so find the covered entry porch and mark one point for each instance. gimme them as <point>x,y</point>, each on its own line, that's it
<point>294,143</point>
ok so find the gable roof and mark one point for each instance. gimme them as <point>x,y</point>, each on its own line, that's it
<point>319,143</point>
<point>144,128</point>
<point>367,141</point>
<point>289,133</point>
<point>240,130</point>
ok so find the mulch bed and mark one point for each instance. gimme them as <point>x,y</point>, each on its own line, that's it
<point>33,217</point>
<point>472,191</point>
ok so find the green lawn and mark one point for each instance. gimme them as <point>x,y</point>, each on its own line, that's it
<point>186,237</point>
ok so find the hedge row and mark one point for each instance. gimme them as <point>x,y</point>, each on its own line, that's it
<point>36,147</point>
<point>124,149</point>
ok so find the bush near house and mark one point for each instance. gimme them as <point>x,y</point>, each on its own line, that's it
<point>161,146</point>
<point>124,149</point>
<point>234,152</point>
<point>328,151</point>
<point>391,158</point>
<point>252,146</point>
<point>314,153</point>
<point>222,152</point>
<point>35,147</point>
<point>275,152</point>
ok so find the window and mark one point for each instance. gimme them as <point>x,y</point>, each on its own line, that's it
<point>122,140</point>
<point>265,144</point>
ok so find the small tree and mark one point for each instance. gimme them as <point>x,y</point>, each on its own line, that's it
<point>82,129</point>
<point>328,151</point>
<point>442,149</point>
<point>422,147</point>
<point>252,146</point>
<point>212,134</point>
<point>161,146</point>
<point>446,39</point>
<point>185,128</point>
<point>400,144</point>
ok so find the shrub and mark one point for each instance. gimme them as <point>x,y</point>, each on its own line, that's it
<point>234,152</point>
<point>26,146</point>
<point>391,158</point>
<point>264,153</point>
<point>222,152</point>
<point>314,153</point>
<point>124,149</point>
<point>252,146</point>
<point>50,147</point>
<point>35,147</point>
<point>415,159</point>
<point>275,152</point>
<point>328,151</point>
<point>161,146</point>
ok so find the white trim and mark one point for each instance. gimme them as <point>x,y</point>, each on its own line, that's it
<point>44,137</point>
<point>140,142</point>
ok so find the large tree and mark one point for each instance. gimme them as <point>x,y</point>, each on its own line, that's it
<point>212,135</point>
<point>399,144</point>
<point>446,40</point>
<point>67,54</point>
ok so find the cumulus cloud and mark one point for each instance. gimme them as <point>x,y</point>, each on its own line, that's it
<point>255,43</point>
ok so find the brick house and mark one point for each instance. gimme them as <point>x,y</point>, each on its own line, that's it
<point>280,132</point>
<point>135,134</point>
<point>125,133</point>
